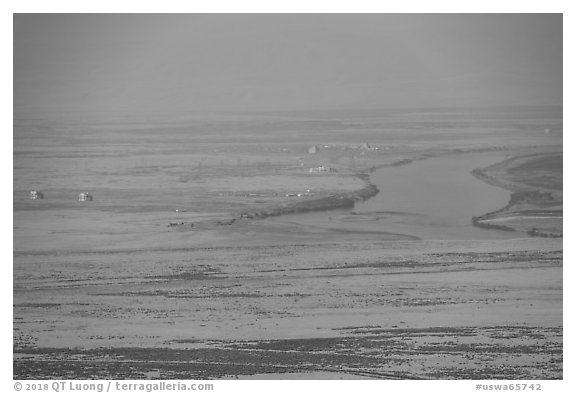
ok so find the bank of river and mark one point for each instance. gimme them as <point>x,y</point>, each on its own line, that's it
<point>434,198</point>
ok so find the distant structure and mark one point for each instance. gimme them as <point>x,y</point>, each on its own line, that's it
<point>36,194</point>
<point>547,131</point>
<point>366,146</point>
<point>313,150</point>
<point>85,197</point>
<point>322,169</point>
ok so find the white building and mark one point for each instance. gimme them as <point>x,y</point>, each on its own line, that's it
<point>85,197</point>
<point>36,194</point>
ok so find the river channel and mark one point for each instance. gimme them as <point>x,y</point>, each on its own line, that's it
<point>431,199</point>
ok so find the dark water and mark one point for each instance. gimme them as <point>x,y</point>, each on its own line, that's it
<point>431,199</point>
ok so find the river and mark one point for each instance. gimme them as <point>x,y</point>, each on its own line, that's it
<point>431,199</point>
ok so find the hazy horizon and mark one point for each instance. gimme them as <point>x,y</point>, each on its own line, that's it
<point>169,63</point>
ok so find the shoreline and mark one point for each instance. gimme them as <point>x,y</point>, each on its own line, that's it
<point>331,202</point>
<point>519,195</point>
<point>339,200</point>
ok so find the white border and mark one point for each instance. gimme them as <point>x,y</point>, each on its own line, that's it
<point>294,6</point>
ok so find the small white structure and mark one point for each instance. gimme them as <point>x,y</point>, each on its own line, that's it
<point>313,150</point>
<point>322,169</point>
<point>85,197</point>
<point>366,146</point>
<point>36,194</point>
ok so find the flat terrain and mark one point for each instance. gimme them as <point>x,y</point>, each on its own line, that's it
<point>413,310</point>
<point>173,271</point>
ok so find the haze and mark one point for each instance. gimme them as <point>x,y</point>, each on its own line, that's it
<point>250,62</point>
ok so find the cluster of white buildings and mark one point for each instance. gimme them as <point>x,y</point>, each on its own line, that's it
<point>322,169</point>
